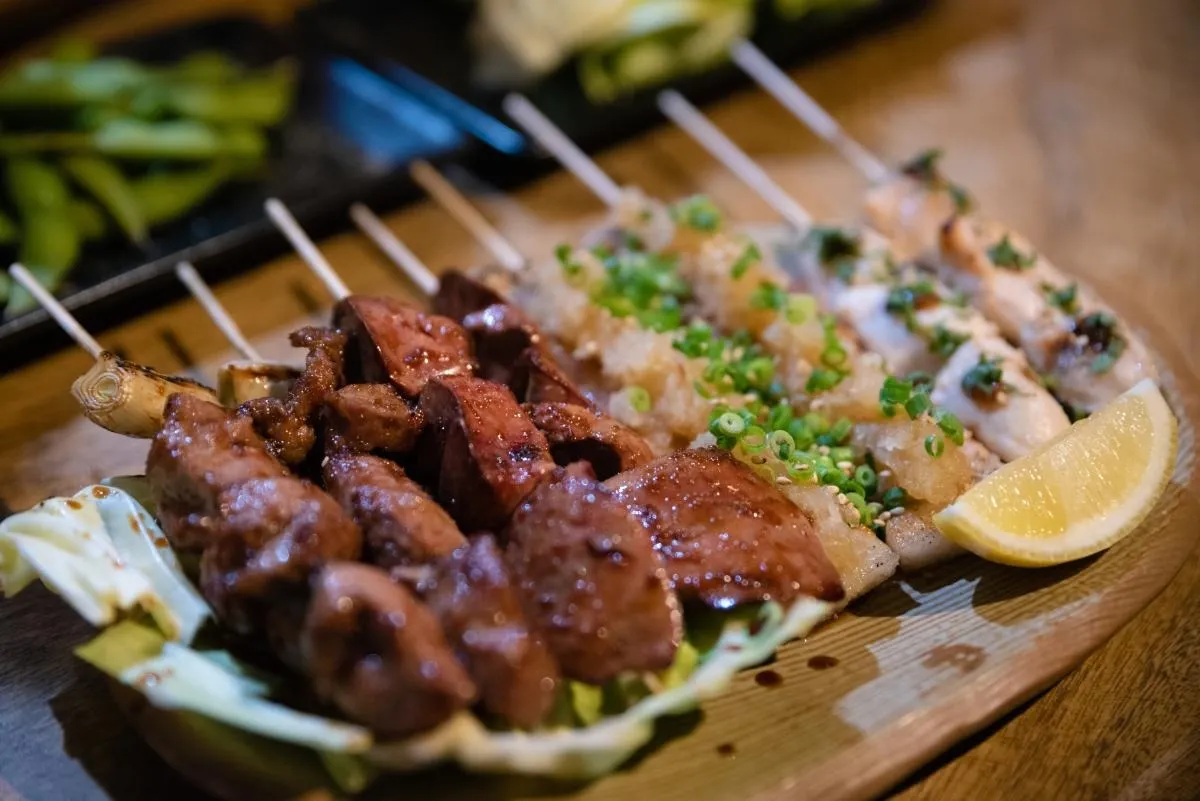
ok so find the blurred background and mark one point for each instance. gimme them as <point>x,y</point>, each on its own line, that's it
<point>128,147</point>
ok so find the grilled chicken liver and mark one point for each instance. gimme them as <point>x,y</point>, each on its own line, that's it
<point>590,581</point>
<point>201,449</point>
<point>368,418</point>
<point>271,534</point>
<point>392,341</point>
<point>378,654</point>
<point>477,603</point>
<point>486,454</point>
<point>537,378</point>
<point>459,295</point>
<point>290,425</point>
<point>726,535</point>
<point>579,434</point>
<point>401,524</point>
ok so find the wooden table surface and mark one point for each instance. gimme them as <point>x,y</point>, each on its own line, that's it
<point>1075,120</point>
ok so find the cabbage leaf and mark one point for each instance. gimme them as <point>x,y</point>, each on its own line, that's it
<point>105,555</point>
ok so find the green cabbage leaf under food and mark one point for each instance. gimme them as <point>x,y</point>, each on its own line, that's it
<point>88,550</point>
<point>105,555</point>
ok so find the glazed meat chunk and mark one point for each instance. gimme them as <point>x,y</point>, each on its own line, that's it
<point>485,453</point>
<point>726,535</point>
<point>590,580</point>
<point>378,653</point>
<point>401,524</point>
<point>476,600</point>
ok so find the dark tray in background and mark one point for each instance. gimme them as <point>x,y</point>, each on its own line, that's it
<point>381,86</point>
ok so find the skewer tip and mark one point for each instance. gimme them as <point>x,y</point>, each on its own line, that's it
<point>55,309</point>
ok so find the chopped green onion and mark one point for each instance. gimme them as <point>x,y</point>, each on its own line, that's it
<point>750,256</point>
<point>823,380</point>
<point>768,296</point>
<point>894,497</point>
<point>817,423</point>
<point>864,475</point>
<point>841,454</point>
<point>934,445</point>
<point>780,416</point>
<point>729,424</point>
<point>917,404</point>
<point>754,440</point>
<point>639,399</point>
<point>950,425</point>
<point>1005,254</point>
<point>697,212</point>
<point>840,431</point>
<point>985,379</point>
<point>945,342</point>
<point>1064,299</point>
<point>781,444</point>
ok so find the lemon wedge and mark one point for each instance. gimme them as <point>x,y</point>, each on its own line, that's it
<point>1077,494</point>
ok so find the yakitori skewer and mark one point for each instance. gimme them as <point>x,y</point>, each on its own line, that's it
<point>666,377</point>
<point>251,377</point>
<point>1017,415</point>
<point>566,152</point>
<point>467,215</point>
<point>190,277</point>
<point>1074,340</point>
<point>306,248</point>
<point>777,83</point>
<point>116,394</point>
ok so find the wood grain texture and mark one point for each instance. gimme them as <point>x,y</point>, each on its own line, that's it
<point>1074,120</point>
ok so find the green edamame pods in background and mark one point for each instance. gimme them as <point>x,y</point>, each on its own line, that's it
<point>49,239</point>
<point>89,219</point>
<point>9,233</point>
<point>92,145</point>
<point>105,183</point>
<point>167,196</point>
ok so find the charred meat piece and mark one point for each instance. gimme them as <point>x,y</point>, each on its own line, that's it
<point>459,295</point>
<point>486,454</point>
<point>726,535</point>
<point>271,534</point>
<point>379,654</point>
<point>201,449</point>
<point>401,524</point>
<point>499,334</point>
<point>473,596</point>
<point>537,378</point>
<point>590,580</point>
<point>392,341</point>
<point>290,425</point>
<point>578,434</point>
<point>366,418</point>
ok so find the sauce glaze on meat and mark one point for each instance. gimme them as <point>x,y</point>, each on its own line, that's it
<point>401,524</point>
<point>590,580</point>
<point>486,453</point>
<point>477,603</point>
<point>726,535</point>
<point>392,341</point>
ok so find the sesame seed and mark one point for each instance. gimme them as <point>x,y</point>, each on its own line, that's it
<point>896,511</point>
<point>832,490</point>
<point>844,465</point>
<point>885,473</point>
<point>823,450</point>
<point>883,517</point>
<point>842,499</point>
<point>782,480</point>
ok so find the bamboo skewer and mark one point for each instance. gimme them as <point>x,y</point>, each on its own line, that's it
<point>722,148</point>
<point>306,248</point>
<point>400,254</point>
<point>776,82</point>
<point>467,215</point>
<point>66,321</point>
<point>566,152</point>
<point>203,295</point>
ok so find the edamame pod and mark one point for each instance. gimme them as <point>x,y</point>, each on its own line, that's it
<point>49,239</point>
<point>167,196</point>
<point>107,185</point>
<point>89,219</point>
<point>9,232</point>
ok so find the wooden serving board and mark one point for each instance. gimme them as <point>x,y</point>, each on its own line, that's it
<point>923,661</point>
